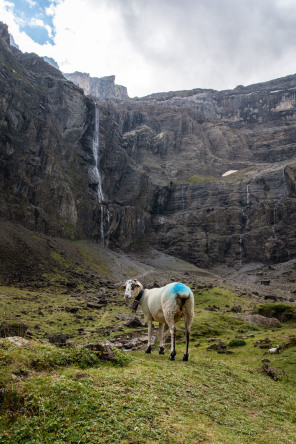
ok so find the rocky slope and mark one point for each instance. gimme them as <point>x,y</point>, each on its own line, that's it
<point>148,171</point>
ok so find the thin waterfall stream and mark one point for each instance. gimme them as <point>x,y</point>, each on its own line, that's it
<point>96,152</point>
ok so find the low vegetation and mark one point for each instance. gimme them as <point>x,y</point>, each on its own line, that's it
<point>198,178</point>
<point>224,394</point>
<point>283,312</point>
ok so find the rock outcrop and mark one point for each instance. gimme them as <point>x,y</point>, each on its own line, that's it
<point>100,87</point>
<point>50,61</point>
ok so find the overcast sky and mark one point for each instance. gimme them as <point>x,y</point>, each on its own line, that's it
<point>160,45</point>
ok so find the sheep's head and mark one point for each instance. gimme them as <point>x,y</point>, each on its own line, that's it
<point>131,288</point>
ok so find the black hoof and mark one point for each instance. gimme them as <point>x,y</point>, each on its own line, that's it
<point>185,358</point>
<point>172,357</point>
<point>161,351</point>
<point>148,349</point>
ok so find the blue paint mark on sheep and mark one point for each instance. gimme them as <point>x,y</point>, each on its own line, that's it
<point>180,288</point>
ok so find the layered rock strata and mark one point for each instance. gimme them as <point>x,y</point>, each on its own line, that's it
<point>159,161</point>
<point>99,87</point>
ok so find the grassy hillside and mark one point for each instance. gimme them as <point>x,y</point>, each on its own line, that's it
<point>62,395</point>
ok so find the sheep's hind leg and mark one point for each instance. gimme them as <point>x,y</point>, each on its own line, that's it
<point>173,341</point>
<point>188,318</point>
<point>186,355</point>
<point>161,347</point>
<point>149,336</point>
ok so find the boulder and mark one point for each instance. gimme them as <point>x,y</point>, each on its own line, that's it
<point>58,338</point>
<point>236,308</point>
<point>103,350</point>
<point>13,328</point>
<point>260,321</point>
<point>17,340</point>
<point>134,323</point>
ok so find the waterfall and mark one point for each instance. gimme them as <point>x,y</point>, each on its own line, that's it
<point>96,151</point>
<point>183,197</point>
<point>108,233</point>
<point>284,183</point>
<point>241,239</point>
<point>248,195</point>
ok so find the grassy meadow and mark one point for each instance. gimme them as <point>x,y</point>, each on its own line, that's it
<point>69,395</point>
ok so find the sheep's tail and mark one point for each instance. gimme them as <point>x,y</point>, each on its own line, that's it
<point>183,295</point>
<point>182,291</point>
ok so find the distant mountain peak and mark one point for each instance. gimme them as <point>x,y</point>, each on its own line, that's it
<point>51,62</point>
<point>100,87</point>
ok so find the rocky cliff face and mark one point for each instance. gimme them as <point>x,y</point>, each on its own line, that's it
<point>102,88</point>
<point>183,142</point>
<point>131,172</point>
<point>46,126</point>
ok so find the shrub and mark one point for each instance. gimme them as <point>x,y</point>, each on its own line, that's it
<point>236,343</point>
<point>280,311</point>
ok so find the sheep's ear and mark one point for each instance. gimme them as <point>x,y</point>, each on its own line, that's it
<point>122,287</point>
<point>136,283</point>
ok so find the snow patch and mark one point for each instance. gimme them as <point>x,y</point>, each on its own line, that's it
<point>229,172</point>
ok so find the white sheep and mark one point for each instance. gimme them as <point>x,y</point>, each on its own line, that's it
<point>274,350</point>
<point>166,305</point>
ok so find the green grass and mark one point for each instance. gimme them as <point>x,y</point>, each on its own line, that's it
<point>58,395</point>
<point>91,260</point>
<point>212,398</point>
<point>48,312</point>
<point>198,178</point>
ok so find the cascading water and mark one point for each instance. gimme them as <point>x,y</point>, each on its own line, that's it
<point>96,149</point>
<point>245,226</point>
<point>183,197</point>
<point>284,183</point>
<point>248,195</point>
<point>241,249</point>
<point>108,234</point>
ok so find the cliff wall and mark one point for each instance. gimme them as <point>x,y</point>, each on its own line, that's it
<point>158,160</point>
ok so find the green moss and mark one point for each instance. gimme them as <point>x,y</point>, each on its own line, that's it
<point>198,178</point>
<point>60,259</point>
<point>92,260</point>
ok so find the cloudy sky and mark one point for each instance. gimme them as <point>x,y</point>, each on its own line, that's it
<point>160,45</point>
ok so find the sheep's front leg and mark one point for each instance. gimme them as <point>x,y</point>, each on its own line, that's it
<point>161,347</point>
<point>149,336</point>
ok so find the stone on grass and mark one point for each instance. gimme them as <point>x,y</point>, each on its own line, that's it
<point>13,328</point>
<point>134,323</point>
<point>259,320</point>
<point>58,338</point>
<point>104,351</point>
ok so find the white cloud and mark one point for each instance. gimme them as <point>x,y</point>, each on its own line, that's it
<point>31,3</point>
<point>167,45</point>
<point>35,22</point>
<point>25,43</point>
